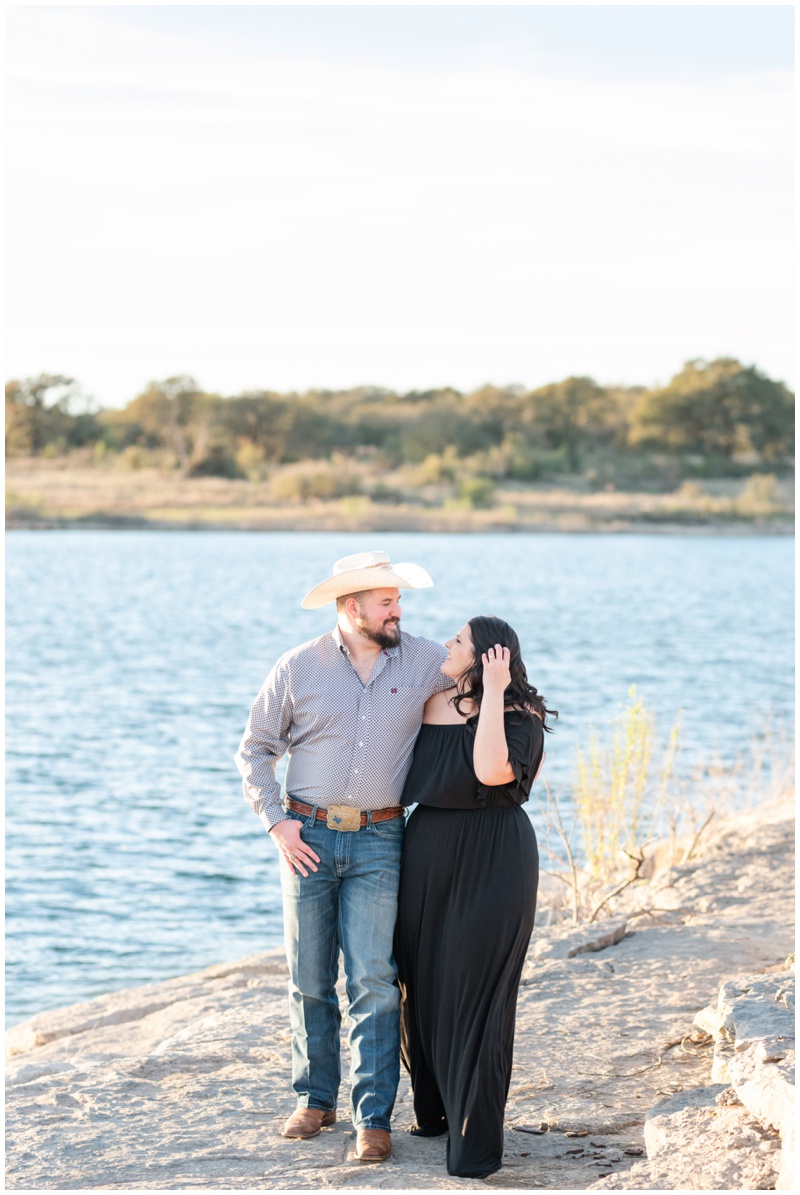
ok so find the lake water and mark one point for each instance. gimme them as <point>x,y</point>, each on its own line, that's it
<point>133,658</point>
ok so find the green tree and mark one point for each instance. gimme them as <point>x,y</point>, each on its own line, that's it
<point>717,408</point>
<point>261,420</point>
<point>48,410</point>
<point>439,427</point>
<point>570,415</point>
<point>175,414</point>
<point>371,417</point>
<point>312,431</point>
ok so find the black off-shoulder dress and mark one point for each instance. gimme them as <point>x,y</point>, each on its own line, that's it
<point>467,901</point>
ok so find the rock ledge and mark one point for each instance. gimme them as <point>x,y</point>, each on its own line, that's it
<point>184,1084</point>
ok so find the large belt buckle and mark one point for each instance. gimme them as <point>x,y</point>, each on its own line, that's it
<point>343,817</point>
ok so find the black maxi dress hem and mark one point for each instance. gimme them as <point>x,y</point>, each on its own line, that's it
<point>466,909</point>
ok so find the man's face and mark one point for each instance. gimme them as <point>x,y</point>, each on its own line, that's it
<point>379,617</point>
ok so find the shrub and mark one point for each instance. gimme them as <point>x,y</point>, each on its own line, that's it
<point>133,457</point>
<point>381,492</point>
<point>476,491</point>
<point>251,461</point>
<point>355,505</point>
<point>759,494</point>
<point>318,479</point>
<point>436,468</point>
<point>619,786</point>
<point>691,492</point>
<point>216,461</point>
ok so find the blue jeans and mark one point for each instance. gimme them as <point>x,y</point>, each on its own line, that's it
<point>348,904</point>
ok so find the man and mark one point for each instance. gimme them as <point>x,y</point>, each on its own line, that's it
<point>347,708</point>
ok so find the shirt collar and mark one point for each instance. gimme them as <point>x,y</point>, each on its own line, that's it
<point>336,635</point>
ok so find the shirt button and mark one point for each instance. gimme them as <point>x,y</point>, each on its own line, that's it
<point>356,771</point>
<point>363,717</point>
<point>361,744</point>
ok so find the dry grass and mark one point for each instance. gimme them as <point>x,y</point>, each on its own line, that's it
<point>621,789</point>
<point>322,496</point>
<point>631,815</point>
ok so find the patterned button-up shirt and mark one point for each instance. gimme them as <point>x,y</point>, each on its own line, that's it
<point>348,742</point>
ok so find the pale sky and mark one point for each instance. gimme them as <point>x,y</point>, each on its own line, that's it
<point>408,196</point>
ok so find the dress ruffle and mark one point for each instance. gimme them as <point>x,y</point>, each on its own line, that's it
<point>525,739</point>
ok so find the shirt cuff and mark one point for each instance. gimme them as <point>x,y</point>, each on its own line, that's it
<point>271,817</point>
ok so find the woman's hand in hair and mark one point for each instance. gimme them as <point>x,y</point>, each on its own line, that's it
<point>496,670</point>
<point>490,752</point>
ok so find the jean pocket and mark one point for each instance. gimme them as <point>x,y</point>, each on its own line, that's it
<point>392,828</point>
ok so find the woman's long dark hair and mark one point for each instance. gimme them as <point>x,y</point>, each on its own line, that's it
<point>486,632</point>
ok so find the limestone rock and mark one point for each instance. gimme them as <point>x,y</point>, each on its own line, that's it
<point>694,1143</point>
<point>753,1027</point>
<point>184,1085</point>
<point>137,1019</point>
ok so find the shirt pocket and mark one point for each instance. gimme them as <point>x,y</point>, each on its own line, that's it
<point>404,705</point>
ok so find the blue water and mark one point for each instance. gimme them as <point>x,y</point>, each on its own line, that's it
<point>133,657</point>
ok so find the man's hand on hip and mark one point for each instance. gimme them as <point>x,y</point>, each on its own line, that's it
<point>298,854</point>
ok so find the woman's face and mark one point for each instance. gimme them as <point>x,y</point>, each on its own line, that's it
<point>461,653</point>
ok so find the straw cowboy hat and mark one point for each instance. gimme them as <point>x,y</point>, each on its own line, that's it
<point>365,570</point>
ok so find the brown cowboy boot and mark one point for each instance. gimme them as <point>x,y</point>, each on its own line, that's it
<point>307,1122</point>
<point>373,1145</point>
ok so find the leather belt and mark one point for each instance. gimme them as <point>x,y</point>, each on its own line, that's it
<point>376,815</point>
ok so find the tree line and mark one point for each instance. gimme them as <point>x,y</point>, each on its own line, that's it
<point>718,416</point>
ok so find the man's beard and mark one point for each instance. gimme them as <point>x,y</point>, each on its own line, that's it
<point>387,636</point>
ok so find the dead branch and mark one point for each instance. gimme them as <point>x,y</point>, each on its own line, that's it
<point>555,813</point>
<point>687,854</point>
<point>556,876</point>
<point>638,861</point>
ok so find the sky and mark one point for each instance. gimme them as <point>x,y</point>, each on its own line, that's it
<point>287,197</point>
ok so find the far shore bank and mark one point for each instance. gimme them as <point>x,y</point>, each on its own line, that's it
<point>429,526</point>
<point>47,495</point>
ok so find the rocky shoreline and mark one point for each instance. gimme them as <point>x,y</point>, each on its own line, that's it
<point>653,1052</point>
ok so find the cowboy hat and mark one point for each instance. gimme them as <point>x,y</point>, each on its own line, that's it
<point>365,570</point>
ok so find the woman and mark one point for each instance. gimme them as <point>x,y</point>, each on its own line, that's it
<point>468,892</point>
